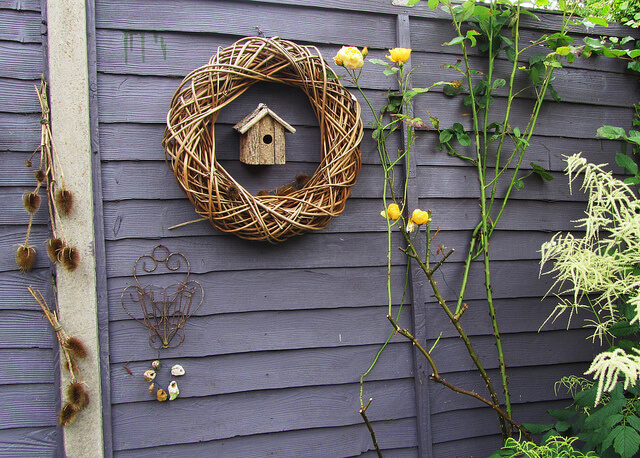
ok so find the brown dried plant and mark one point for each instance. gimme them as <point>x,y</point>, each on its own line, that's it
<point>59,199</point>
<point>71,348</point>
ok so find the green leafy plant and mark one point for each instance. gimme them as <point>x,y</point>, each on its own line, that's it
<point>552,447</point>
<point>495,147</point>
<point>600,273</point>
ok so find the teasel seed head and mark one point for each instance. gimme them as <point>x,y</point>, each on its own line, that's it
<point>40,175</point>
<point>64,201</point>
<point>76,348</point>
<point>54,249</point>
<point>67,415</point>
<point>70,258</point>
<point>31,201</point>
<point>301,180</point>
<point>77,395</point>
<point>26,257</point>
<point>233,193</point>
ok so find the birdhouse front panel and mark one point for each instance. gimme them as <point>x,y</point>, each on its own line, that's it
<point>263,143</point>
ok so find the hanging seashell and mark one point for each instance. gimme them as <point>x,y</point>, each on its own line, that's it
<point>177,370</point>
<point>149,375</point>
<point>156,364</point>
<point>174,391</point>
<point>161,395</point>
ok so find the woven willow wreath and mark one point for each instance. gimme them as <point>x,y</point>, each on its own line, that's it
<point>189,140</point>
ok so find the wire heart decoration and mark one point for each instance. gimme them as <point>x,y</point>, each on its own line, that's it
<point>164,309</point>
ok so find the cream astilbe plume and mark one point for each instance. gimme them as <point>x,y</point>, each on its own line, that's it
<point>608,365</point>
<point>599,269</point>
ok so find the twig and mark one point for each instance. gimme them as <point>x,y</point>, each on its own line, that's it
<point>370,428</point>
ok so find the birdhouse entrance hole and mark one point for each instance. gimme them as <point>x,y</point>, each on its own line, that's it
<point>267,139</point>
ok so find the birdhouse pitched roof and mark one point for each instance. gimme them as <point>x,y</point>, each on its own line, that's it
<point>256,115</point>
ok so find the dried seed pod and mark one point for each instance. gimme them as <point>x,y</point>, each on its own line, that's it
<point>64,201</point>
<point>263,192</point>
<point>155,365</point>
<point>40,175</point>
<point>67,415</point>
<point>70,258</point>
<point>151,388</point>
<point>76,347</point>
<point>301,180</point>
<point>177,370</point>
<point>149,375</point>
<point>31,201</point>
<point>233,193</point>
<point>26,257</point>
<point>77,395</point>
<point>173,389</point>
<point>54,249</point>
<point>161,395</point>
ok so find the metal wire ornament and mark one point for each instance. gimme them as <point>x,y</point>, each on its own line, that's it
<point>164,309</point>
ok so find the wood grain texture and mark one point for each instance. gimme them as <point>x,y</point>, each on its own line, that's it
<point>258,331</point>
<point>39,411</point>
<point>28,442</point>
<point>18,96</point>
<point>256,412</point>
<point>339,441</point>
<point>15,295</point>
<point>21,60</point>
<point>21,26</point>
<point>26,365</point>
<point>20,132</point>
<point>25,329</point>
<point>270,370</point>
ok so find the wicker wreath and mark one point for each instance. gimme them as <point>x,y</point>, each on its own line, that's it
<point>189,140</point>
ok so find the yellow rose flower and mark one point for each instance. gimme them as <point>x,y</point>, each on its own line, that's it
<point>420,217</point>
<point>399,54</point>
<point>392,211</point>
<point>349,57</point>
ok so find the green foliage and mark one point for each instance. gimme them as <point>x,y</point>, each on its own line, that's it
<point>552,447</point>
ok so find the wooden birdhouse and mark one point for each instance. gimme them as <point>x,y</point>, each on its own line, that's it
<point>262,137</point>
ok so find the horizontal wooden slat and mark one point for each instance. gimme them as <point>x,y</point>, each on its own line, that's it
<point>257,331</point>
<point>290,289</point>
<point>40,411</point>
<point>271,20</point>
<point>28,441</point>
<point>340,441</point>
<point>18,96</point>
<point>20,26</point>
<point>21,60</point>
<point>15,295</point>
<point>257,412</point>
<point>208,376</point>
<point>232,253</point>
<point>526,385</point>
<point>26,365</point>
<point>521,350</point>
<point>20,132</point>
<point>25,329</point>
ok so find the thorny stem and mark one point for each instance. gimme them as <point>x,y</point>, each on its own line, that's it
<point>363,413</point>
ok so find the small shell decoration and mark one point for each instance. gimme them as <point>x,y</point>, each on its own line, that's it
<point>149,375</point>
<point>161,395</point>
<point>156,364</point>
<point>174,391</point>
<point>177,370</point>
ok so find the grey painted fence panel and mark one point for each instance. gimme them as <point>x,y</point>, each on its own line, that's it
<point>28,387</point>
<point>318,442</point>
<point>307,312</point>
<point>273,411</point>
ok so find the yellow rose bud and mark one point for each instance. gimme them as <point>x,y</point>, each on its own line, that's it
<point>349,57</point>
<point>420,217</point>
<point>392,211</point>
<point>399,54</point>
